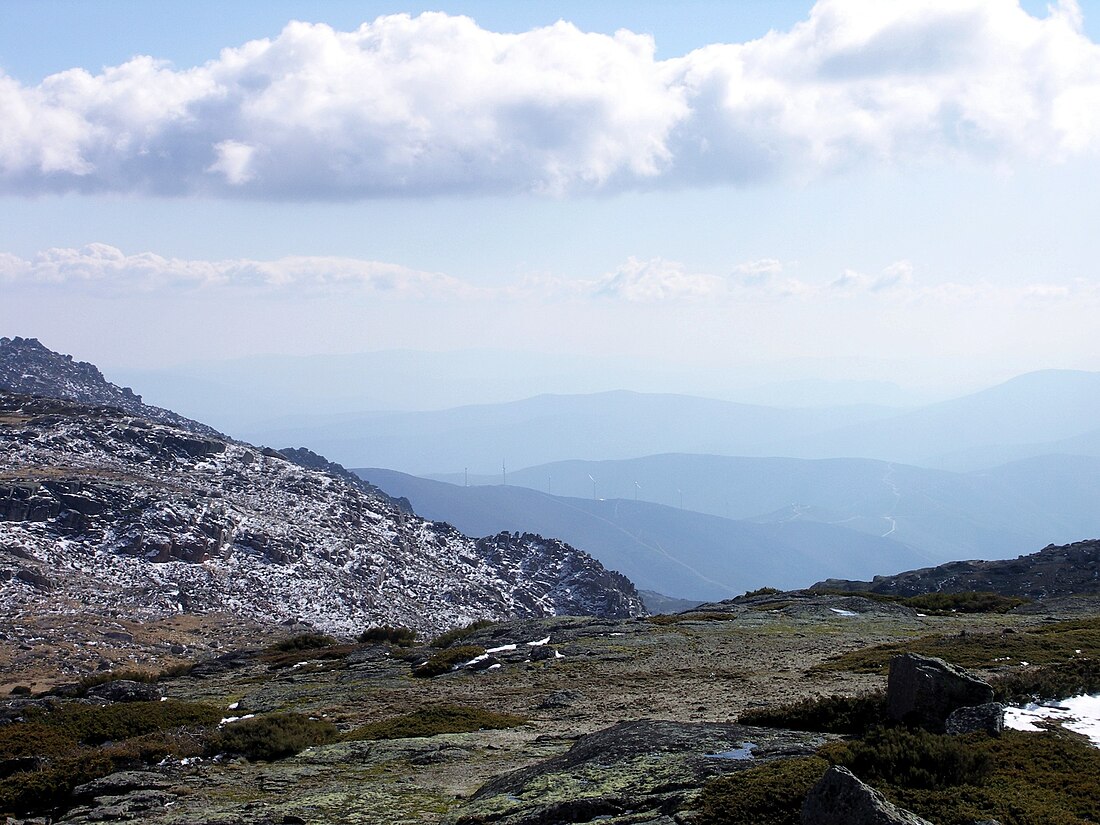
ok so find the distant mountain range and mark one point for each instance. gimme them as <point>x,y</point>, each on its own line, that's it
<point>1032,415</point>
<point>677,552</point>
<point>943,515</point>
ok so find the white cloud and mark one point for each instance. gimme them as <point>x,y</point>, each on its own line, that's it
<point>108,268</point>
<point>655,280</point>
<point>436,104</point>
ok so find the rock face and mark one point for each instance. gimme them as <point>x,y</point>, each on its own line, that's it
<point>136,518</point>
<point>1053,572</point>
<point>839,798</point>
<point>26,366</point>
<point>923,690</point>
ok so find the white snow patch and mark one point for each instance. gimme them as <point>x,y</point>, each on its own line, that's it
<point>841,612</point>
<point>493,667</point>
<point>539,642</point>
<point>1080,714</point>
<point>229,720</point>
<point>501,649</point>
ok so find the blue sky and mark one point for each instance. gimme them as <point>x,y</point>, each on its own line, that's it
<point>907,185</point>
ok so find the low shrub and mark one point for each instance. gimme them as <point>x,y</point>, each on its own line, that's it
<point>432,721</point>
<point>105,676</point>
<point>94,724</point>
<point>400,636</point>
<point>270,737</point>
<point>762,591</point>
<point>769,794</point>
<point>454,634</point>
<point>445,660</point>
<point>1056,681</point>
<point>912,759</point>
<point>976,602</point>
<point>303,641</point>
<point>827,714</point>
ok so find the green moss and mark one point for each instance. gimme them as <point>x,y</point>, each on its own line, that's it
<point>270,737</point>
<point>445,660</point>
<point>769,794</point>
<point>431,721</point>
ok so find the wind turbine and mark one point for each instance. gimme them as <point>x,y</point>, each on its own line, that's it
<point>637,487</point>
<point>593,487</point>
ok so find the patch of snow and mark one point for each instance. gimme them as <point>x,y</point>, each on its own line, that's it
<point>1080,714</point>
<point>501,649</point>
<point>841,612</point>
<point>493,667</point>
<point>539,642</point>
<point>234,706</point>
<point>229,720</point>
<point>474,661</point>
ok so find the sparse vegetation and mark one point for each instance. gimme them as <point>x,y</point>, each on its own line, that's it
<point>445,660</point>
<point>303,641</point>
<point>828,714</point>
<point>762,591</point>
<point>272,736</point>
<point>435,720</point>
<point>914,759</point>
<point>1043,645</point>
<point>1057,681</point>
<point>769,794</point>
<point>697,616</point>
<point>385,634</point>
<point>455,634</point>
<point>76,743</point>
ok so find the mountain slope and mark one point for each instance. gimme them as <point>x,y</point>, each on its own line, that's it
<point>678,552</point>
<point>112,512</point>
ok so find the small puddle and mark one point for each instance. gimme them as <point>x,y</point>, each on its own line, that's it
<point>743,752</point>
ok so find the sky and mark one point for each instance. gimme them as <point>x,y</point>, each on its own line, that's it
<point>910,189</point>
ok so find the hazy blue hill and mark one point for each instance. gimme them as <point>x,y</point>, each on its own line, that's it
<point>947,515</point>
<point>546,428</point>
<point>677,552</point>
<point>1032,409</point>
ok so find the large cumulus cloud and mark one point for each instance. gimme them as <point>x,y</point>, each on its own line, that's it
<point>435,104</point>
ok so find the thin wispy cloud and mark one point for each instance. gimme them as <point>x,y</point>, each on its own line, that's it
<point>104,269</point>
<point>436,104</point>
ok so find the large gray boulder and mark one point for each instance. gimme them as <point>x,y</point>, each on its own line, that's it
<point>923,690</point>
<point>839,798</point>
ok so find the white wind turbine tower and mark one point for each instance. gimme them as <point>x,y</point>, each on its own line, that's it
<point>637,487</point>
<point>593,487</point>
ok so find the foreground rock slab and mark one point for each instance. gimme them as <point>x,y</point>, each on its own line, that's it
<point>637,772</point>
<point>840,798</point>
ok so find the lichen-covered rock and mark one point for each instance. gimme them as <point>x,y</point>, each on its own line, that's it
<point>988,718</point>
<point>924,690</point>
<point>840,798</point>
<point>645,769</point>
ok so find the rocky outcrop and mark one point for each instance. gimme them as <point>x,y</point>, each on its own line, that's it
<point>924,691</point>
<point>29,367</point>
<point>647,770</point>
<point>1056,571</point>
<point>839,798</point>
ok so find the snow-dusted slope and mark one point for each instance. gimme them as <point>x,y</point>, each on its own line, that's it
<point>105,510</point>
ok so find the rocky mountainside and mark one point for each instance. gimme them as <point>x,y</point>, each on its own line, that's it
<point>1055,572</point>
<point>27,366</point>
<point>104,510</point>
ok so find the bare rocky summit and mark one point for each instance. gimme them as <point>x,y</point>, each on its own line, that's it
<point>105,511</point>
<point>29,367</point>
